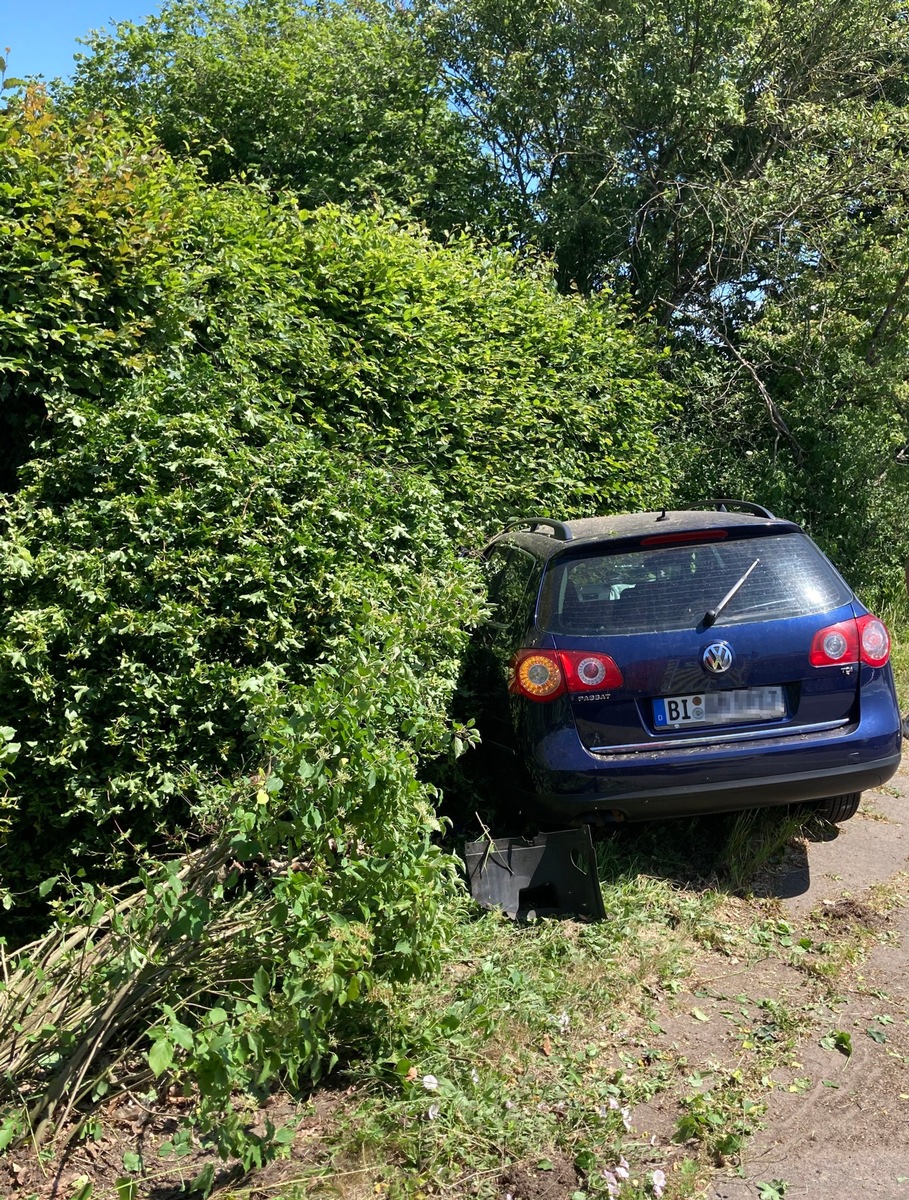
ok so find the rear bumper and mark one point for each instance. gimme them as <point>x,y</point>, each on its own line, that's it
<point>691,799</point>
<point>573,783</point>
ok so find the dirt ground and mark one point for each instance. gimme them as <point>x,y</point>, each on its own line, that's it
<point>847,1135</point>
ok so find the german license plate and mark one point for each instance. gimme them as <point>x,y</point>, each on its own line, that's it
<point>719,708</point>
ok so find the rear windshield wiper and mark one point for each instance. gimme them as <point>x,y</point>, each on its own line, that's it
<point>711,614</point>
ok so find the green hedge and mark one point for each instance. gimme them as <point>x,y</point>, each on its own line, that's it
<point>257,449</point>
<point>156,566</point>
<point>181,560</point>
<point>226,648</point>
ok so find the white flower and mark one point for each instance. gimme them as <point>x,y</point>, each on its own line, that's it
<point>563,1020</point>
<point>474,1076</point>
<point>658,1183</point>
<point>613,1187</point>
<point>433,1111</point>
<point>613,1103</point>
<point>622,1171</point>
<point>509,1105</point>
<point>430,1083</point>
<point>626,1118</point>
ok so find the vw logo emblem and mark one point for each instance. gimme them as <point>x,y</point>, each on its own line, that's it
<point>717,657</point>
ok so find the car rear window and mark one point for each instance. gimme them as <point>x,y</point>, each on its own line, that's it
<point>646,590</point>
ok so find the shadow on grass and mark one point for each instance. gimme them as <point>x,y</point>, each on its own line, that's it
<point>758,851</point>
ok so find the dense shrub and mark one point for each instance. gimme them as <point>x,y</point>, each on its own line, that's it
<point>458,362</point>
<point>257,447</point>
<point>184,557</point>
<point>218,634</point>
<point>90,223</point>
<point>171,556</point>
<point>464,365</point>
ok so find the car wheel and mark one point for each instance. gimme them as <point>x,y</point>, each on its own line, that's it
<point>838,808</point>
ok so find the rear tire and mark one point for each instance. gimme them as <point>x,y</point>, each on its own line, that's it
<point>838,808</point>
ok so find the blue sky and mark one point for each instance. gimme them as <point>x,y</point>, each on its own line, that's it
<point>42,34</point>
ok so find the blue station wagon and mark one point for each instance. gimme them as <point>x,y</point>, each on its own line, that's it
<point>665,664</point>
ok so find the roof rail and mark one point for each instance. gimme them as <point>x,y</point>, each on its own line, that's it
<point>756,510</point>
<point>560,530</point>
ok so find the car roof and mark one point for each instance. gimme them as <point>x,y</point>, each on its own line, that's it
<point>667,521</point>
<point>545,536</point>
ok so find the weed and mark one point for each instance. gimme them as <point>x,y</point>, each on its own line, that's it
<point>555,1042</point>
<point>838,1039</point>
<point>757,837</point>
<point>774,1190</point>
<point>527,1045</point>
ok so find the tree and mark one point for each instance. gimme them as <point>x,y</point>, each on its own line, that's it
<point>678,149</point>
<point>739,172</point>
<point>340,105</point>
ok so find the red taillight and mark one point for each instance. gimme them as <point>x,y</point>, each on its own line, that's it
<point>835,645</point>
<point>588,672</point>
<point>874,641</point>
<point>865,639</point>
<point>546,674</point>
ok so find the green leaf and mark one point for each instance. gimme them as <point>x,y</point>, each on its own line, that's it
<point>261,983</point>
<point>204,1181</point>
<point>838,1039</point>
<point>161,1056</point>
<point>9,1131</point>
<point>585,1161</point>
<point>181,1034</point>
<point>774,1190</point>
<point>729,1144</point>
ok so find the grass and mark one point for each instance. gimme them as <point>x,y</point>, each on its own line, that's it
<point>900,660</point>
<point>557,1050</point>
<point>526,1055</point>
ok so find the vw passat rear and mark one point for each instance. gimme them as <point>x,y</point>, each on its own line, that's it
<point>665,664</point>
